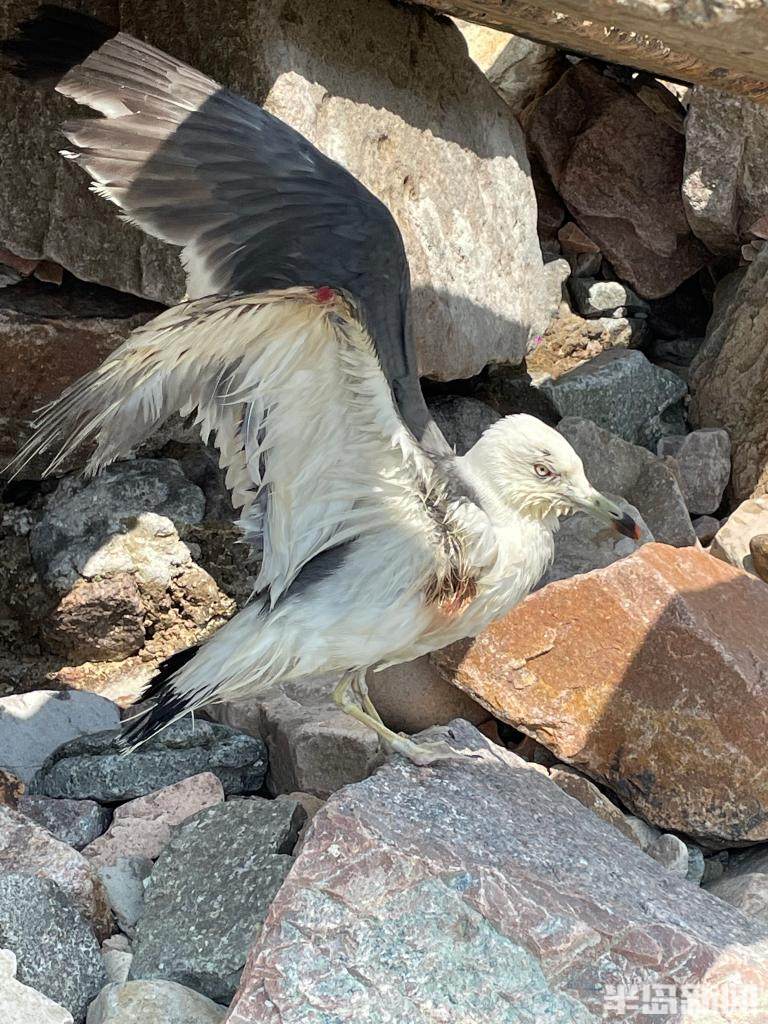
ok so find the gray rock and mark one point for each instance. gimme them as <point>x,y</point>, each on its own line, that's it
<point>123,882</point>
<point>80,535</point>
<point>76,822</point>
<point>706,528</point>
<point>462,420</point>
<point>94,767</point>
<point>703,461</point>
<point>583,544</point>
<point>605,298</point>
<point>644,832</point>
<point>476,890</point>
<point>117,965</point>
<point>744,883</point>
<point>671,852</point>
<point>617,467</point>
<point>210,890</point>
<point>677,351</point>
<point>33,725</point>
<point>20,1004</point>
<point>153,1002</point>
<point>584,264</point>
<point>54,947</point>
<point>621,391</point>
<point>696,865</point>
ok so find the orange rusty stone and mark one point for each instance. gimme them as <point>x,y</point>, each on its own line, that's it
<point>651,676</point>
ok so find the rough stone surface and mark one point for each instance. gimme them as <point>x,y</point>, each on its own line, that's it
<point>725,183</point>
<point>758,549</point>
<point>729,379</point>
<point>589,796</point>
<point>645,834</point>
<point>462,420</point>
<point>674,720</point>
<point>414,696</point>
<point>671,852</point>
<point>75,822</point>
<point>209,892</point>
<point>54,947</point>
<point>117,965</point>
<point>12,789</point>
<point>153,1002</point>
<point>94,768</point>
<point>706,528</point>
<point>618,167</point>
<point>313,745</point>
<point>703,466</point>
<point>123,882</point>
<point>583,543</point>
<point>142,827</point>
<point>621,391</point>
<point>452,893</point>
<point>390,93</point>
<point>571,340</point>
<point>744,883</point>
<point>21,1004</point>
<point>33,725</point>
<point>732,541</point>
<point>28,849</point>
<point>605,298</point>
<point>616,467</point>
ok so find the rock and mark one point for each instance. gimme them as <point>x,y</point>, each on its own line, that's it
<point>142,827</point>
<point>744,884</point>
<point>733,539</point>
<point>462,420</point>
<point>675,352</point>
<point>478,891</point>
<point>621,391</point>
<point>758,549</point>
<point>645,834</point>
<point>509,390</point>
<point>617,467</point>
<point>116,941</point>
<point>696,865</point>
<point>703,466</point>
<point>20,1004</point>
<point>98,620</point>
<point>28,849</point>
<point>414,696</point>
<point>574,241</point>
<point>33,725</point>
<point>725,185</point>
<point>117,965</point>
<point>210,890</point>
<point>313,745</point>
<point>730,377</point>
<point>94,767</point>
<point>359,87</point>
<point>517,68</point>
<point>671,852</point>
<point>12,789</point>
<point>585,264</point>
<point>589,796</point>
<point>706,527</point>
<point>674,720</point>
<point>713,869</point>
<point>618,167</point>
<point>605,298</point>
<point>75,822</point>
<point>153,1002</point>
<point>54,947</point>
<point>123,882</point>
<point>583,544</point>
<point>571,340</point>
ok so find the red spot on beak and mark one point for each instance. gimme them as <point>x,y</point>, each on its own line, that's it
<point>325,294</point>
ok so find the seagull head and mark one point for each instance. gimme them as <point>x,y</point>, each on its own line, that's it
<point>522,463</point>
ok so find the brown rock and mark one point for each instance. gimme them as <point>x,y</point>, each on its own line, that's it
<point>571,340</point>
<point>28,849</point>
<point>477,891</point>
<point>98,620</point>
<point>589,796</point>
<point>758,548</point>
<point>635,675</point>
<point>574,240</point>
<point>618,167</point>
<point>414,696</point>
<point>12,789</point>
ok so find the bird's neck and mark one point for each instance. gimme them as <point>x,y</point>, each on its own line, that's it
<point>472,471</point>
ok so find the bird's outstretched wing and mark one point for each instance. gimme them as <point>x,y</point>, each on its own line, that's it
<point>288,386</point>
<point>254,205</point>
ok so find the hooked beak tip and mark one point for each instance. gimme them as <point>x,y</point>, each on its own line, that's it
<point>628,527</point>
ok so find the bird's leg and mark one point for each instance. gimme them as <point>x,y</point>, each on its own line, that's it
<point>360,687</point>
<point>421,754</point>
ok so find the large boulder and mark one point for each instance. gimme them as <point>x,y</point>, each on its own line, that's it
<point>730,379</point>
<point>618,166</point>
<point>635,675</point>
<point>388,91</point>
<point>22,1004</point>
<point>477,890</point>
<point>733,541</point>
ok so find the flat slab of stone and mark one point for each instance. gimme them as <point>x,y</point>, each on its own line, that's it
<point>153,1002</point>
<point>22,1004</point>
<point>33,725</point>
<point>75,822</point>
<point>476,890</point>
<point>650,676</point>
<point>95,768</point>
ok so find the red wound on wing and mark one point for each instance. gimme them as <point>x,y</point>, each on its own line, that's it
<point>325,294</point>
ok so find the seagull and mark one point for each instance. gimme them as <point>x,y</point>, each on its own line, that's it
<point>294,354</point>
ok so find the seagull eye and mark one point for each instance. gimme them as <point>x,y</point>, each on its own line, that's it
<point>541,470</point>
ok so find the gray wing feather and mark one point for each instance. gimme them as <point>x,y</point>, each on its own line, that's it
<point>253,203</point>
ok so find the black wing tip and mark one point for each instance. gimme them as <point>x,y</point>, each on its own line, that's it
<point>53,41</point>
<point>165,704</point>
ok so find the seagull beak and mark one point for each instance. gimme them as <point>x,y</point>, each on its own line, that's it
<point>597,505</point>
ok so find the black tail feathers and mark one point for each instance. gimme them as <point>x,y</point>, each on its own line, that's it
<point>48,45</point>
<point>164,704</point>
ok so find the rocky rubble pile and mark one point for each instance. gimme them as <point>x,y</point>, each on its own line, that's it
<point>587,245</point>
